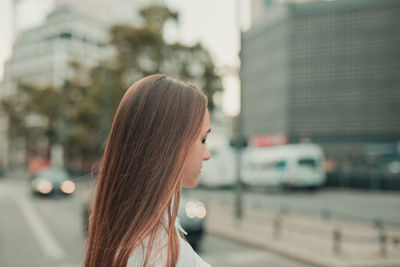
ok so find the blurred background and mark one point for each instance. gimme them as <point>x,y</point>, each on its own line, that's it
<point>304,100</point>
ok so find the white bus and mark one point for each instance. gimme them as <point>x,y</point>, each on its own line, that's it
<point>293,165</point>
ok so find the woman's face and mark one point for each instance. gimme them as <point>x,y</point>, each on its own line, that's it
<point>196,154</point>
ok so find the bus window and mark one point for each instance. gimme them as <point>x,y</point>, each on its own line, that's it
<point>281,165</point>
<point>270,165</point>
<point>307,162</point>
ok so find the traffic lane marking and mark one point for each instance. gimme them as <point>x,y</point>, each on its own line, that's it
<point>46,240</point>
<point>16,238</point>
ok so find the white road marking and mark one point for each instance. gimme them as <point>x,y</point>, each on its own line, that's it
<point>47,242</point>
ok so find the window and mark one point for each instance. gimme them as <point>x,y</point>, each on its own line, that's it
<point>307,162</point>
<point>65,35</point>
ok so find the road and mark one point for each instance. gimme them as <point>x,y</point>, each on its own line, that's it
<point>363,206</point>
<point>221,252</point>
<point>48,232</point>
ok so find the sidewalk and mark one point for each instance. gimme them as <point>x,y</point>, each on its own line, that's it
<point>16,174</point>
<point>309,239</point>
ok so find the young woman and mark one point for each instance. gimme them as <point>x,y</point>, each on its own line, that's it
<point>156,146</point>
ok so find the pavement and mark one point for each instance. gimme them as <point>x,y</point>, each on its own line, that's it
<point>16,174</point>
<point>314,240</point>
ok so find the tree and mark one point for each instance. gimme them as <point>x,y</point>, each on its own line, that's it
<point>143,51</point>
<point>79,114</point>
<point>34,112</point>
<point>139,51</point>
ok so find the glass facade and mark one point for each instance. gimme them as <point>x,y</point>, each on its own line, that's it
<point>325,72</point>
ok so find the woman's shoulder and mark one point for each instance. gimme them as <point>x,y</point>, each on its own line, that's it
<point>157,254</point>
<point>187,256</point>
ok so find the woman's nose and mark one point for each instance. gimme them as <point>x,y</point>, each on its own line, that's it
<point>206,155</point>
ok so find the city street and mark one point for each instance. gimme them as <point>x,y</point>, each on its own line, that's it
<point>48,232</point>
<point>279,118</point>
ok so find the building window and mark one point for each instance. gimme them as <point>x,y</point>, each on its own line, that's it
<point>65,35</point>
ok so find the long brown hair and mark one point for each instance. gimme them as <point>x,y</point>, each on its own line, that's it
<point>140,175</point>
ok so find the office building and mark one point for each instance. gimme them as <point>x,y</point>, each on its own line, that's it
<point>325,72</point>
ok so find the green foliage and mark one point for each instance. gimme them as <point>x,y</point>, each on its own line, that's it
<point>34,111</point>
<point>155,16</point>
<point>80,113</point>
<point>143,51</point>
<point>15,112</point>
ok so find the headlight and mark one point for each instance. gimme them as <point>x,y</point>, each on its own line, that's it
<point>68,187</point>
<point>195,209</point>
<point>44,187</point>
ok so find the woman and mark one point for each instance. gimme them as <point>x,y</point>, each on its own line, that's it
<point>156,146</point>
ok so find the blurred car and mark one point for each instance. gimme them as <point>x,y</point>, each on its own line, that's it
<point>52,181</point>
<point>36,164</point>
<point>191,214</point>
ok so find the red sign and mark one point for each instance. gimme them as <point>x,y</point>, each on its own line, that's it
<point>269,140</point>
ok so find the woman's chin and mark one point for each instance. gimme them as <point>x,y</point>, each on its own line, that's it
<point>191,184</point>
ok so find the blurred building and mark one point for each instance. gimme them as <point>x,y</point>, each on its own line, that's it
<point>325,72</point>
<point>259,7</point>
<point>42,56</point>
<point>75,31</point>
<point>121,11</point>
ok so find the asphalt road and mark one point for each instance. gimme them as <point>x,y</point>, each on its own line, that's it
<point>48,232</point>
<point>347,205</point>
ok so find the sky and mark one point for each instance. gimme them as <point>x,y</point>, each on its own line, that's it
<point>214,23</point>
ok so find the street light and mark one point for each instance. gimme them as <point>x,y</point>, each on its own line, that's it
<point>238,135</point>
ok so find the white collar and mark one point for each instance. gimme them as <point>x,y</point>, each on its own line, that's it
<point>178,225</point>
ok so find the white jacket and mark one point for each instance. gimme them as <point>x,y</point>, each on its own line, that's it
<point>158,257</point>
